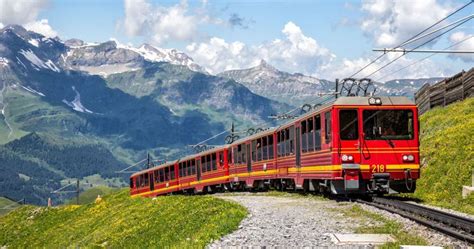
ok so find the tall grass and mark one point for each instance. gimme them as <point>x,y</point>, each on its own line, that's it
<point>120,221</point>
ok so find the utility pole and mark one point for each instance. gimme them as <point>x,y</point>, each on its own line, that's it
<point>337,88</point>
<point>77,192</point>
<point>148,160</point>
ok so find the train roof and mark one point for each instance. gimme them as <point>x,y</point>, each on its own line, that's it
<point>154,168</point>
<point>364,101</point>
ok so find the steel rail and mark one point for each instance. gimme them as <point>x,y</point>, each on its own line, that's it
<point>456,226</point>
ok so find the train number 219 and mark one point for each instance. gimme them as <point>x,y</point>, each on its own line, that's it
<point>377,168</point>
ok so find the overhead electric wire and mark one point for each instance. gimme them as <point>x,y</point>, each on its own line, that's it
<point>413,37</point>
<point>408,51</point>
<point>425,58</point>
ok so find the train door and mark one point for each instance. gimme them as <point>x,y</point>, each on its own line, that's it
<point>298,147</point>
<point>152,182</point>
<point>249,160</point>
<point>198,169</point>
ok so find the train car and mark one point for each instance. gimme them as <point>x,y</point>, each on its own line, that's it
<point>351,145</point>
<point>162,179</point>
<point>358,145</point>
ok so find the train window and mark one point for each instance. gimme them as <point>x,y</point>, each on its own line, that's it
<point>254,150</point>
<point>221,159</point>
<point>146,179</point>
<point>193,166</point>
<point>388,124</point>
<point>289,137</point>
<point>270,147</point>
<point>236,155</point>
<point>180,169</point>
<point>157,176</point>
<point>304,136</point>
<point>131,182</point>
<point>244,154</point>
<point>162,175</point>
<point>310,132</point>
<point>208,163</point>
<point>189,168</point>
<point>203,164</point>
<point>167,174</point>
<point>327,126</point>
<point>239,154</point>
<point>348,125</point>
<point>264,148</point>
<point>137,181</point>
<point>317,132</point>
<point>172,172</point>
<point>259,149</point>
<point>214,161</point>
<point>229,156</point>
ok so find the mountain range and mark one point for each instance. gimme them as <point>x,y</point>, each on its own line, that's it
<point>62,101</point>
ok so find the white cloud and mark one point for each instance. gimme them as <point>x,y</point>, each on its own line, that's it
<point>1,25</point>
<point>41,27</point>
<point>466,45</point>
<point>389,22</point>
<point>160,24</point>
<point>20,11</point>
<point>295,52</point>
<point>25,12</point>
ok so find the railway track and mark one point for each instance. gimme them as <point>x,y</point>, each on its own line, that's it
<point>453,225</point>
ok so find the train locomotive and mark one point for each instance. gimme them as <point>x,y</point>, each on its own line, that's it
<point>352,145</point>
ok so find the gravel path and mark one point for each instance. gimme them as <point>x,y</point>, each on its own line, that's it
<point>285,222</point>
<point>306,222</point>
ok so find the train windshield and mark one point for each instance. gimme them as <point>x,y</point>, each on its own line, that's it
<point>388,124</point>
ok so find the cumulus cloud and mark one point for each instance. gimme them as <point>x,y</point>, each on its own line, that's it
<point>389,22</point>
<point>142,18</point>
<point>20,11</point>
<point>42,27</point>
<point>468,44</point>
<point>25,12</point>
<point>295,52</point>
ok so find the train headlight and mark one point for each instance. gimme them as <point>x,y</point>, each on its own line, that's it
<point>375,101</point>
<point>347,158</point>
<point>408,158</point>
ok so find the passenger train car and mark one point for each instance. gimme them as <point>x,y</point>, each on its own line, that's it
<point>358,145</point>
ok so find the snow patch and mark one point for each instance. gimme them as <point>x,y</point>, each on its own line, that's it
<point>34,42</point>
<point>37,63</point>
<point>31,90</point>
<point>76,104</point>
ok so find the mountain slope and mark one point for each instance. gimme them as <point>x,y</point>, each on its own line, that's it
<point>35,165</point>
<point>124,222</point>
<point>265,80</point>
<point>447,151</point>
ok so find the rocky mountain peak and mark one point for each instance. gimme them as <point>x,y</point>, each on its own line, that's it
<point>264,65</point>
<point>74,42</point>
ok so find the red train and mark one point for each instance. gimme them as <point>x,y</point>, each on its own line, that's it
<point>351,145</point>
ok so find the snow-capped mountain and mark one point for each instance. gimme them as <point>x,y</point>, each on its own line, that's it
<point>272,83</point>
<point>172,56</point>
<point>113,57</point>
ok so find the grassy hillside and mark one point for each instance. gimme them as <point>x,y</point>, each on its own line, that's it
<point>91,194</point>
<point>447,151</point>
<point>120,221</point>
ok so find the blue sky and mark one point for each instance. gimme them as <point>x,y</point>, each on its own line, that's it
<point>326,39</point>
